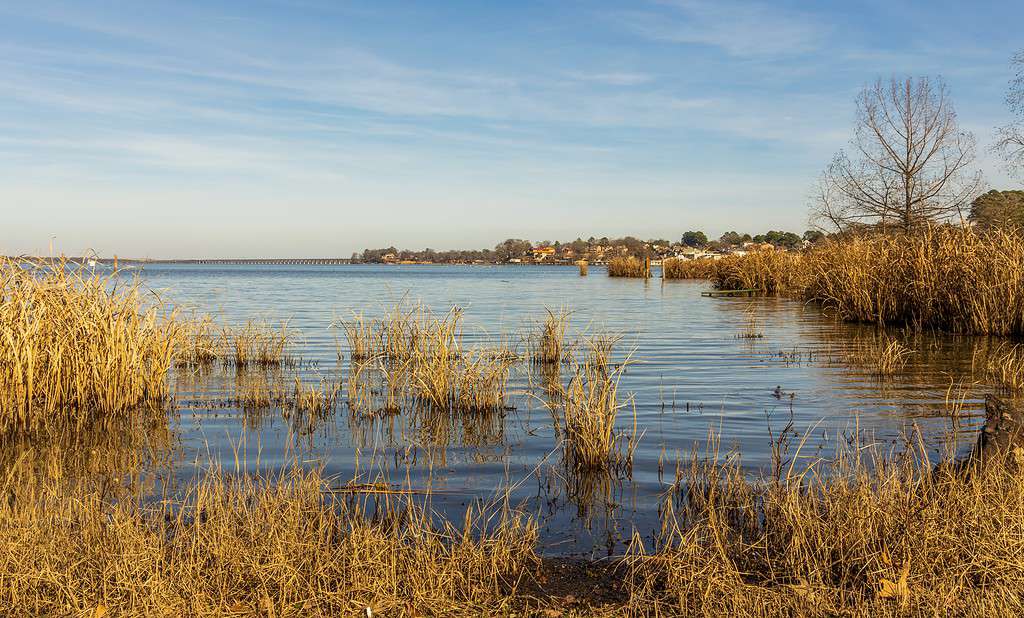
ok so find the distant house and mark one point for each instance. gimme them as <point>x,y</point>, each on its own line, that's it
<point>540,253</point>
<point>691,253</point>
<point>388,257</point>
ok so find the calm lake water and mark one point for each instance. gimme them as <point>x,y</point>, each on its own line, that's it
<point>691,373</point>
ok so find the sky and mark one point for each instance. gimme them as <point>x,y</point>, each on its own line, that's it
<point>266,128</point>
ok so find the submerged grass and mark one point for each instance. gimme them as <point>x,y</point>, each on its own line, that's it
<point>1003,366</point>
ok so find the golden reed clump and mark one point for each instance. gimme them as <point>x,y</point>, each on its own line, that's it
<point>77,345</point>
<point>772,272</point>
<point>679,268</point>
<point>629,267</point>
<point>946,277</point>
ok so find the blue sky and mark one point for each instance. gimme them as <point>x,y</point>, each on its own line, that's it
<point>310,128</point>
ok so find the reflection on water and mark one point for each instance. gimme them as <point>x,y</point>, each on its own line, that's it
<point>745,369</point>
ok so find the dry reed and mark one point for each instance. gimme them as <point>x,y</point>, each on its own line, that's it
<point>681,268</point>
<point>629,267</point>
<point>861,534</point>
<point>590,407</point>
<point>945,278</point>
<point>770,272</point>
<point>286,546</point>
<point>549,343</point>
<point>76,346</point>
<point>582,264</point>
<point>1003,366</point>
<point>257,344</point>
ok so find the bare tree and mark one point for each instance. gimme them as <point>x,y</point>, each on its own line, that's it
<point>1010,138</point>
<point>908,164</point>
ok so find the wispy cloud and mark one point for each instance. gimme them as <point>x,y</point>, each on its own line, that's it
<point>743,29</point>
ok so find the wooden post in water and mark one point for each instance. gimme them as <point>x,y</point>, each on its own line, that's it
<point>647,267</point>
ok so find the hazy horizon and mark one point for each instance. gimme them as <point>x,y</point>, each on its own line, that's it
<point>309,129</point>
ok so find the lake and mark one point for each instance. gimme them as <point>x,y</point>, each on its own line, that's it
<point>691,371</point>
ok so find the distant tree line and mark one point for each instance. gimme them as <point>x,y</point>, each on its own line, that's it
<point>518,249</point>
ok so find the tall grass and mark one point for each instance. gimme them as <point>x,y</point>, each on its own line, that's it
<point>629,267</point>
<point>866,533</point>
<point>257,344</point>
<point>945,278</point>
<point>590,407</point>
<point>548,345</point>
<point>403,331</point>
<point>291,545</point>
<point>680,268</point>
<point>767,271</point>
<point>76,346</point>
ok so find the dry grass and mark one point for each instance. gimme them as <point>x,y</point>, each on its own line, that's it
<point>317,399</point>
<point>1003,366</point>
<point>548,346</point>
<point>76,346</point>
<point>200,342</point>
<point>770,272</point>
<point>591,405</point>
<point>402,332</point>
<point>582,264</point>
<point>471,382</point>
<point>945,278</point>
<point>680,268</point>
<point>287,546</point>
<point>863,534</point>
<point>257,344</point>
<point>629,267</point>
<point>882,355</point>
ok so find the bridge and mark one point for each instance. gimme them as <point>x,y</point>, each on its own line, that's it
<point>225,261</point>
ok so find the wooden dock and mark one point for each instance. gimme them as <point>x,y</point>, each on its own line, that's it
<point>715,293</point>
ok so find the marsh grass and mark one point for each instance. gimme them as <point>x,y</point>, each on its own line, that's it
<point>884,356</point>
<point>681,268</point>
<point>200,342</point>
<point>945,278</point>
<point>1003,365</point>
<point>751,324</point>
<point>768,271</point>
<point>590,405</point>
<point>402,332</point>
<point>474,381</point>
<point>78,346</point>
<point>868,532</point>
<point>629,267</point>
<point>582,264</point>
<point>317,399</point>
<point>548,345</point>
<point>285,545</point>
<point>258,344</point>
